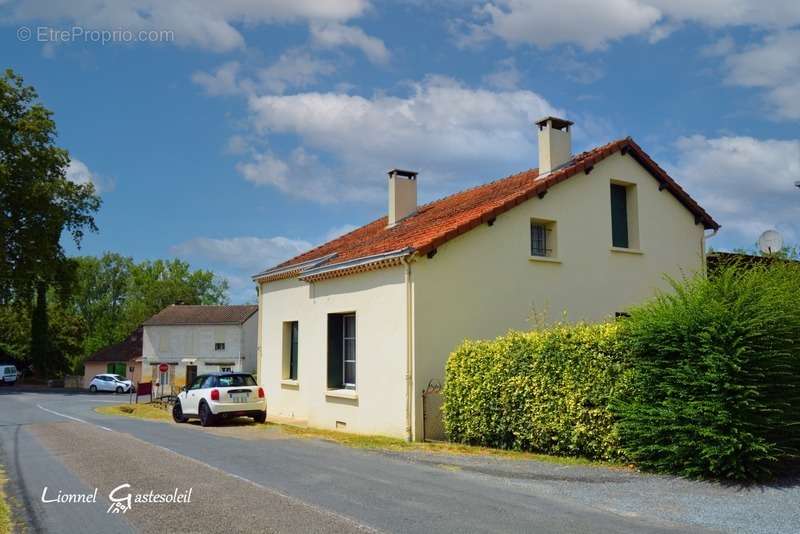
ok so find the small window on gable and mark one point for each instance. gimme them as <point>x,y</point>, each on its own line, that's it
<point>543,238</point>
<point>624,216</point>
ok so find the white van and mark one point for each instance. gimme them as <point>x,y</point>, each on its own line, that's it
<point>8,374</point>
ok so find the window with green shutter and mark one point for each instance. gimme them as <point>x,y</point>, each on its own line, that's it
<point>117,368</point>
<point>619,216</point>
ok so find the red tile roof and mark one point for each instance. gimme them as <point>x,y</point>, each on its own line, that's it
<point>125,351</point>
<point>181,314</point>
<point>437,222</point>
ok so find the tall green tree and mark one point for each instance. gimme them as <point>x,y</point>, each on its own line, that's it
<point>37,205</point>
<point>113,294</point>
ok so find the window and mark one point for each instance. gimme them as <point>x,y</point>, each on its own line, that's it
<point>225,369</point>
<point>197,382</point>
<point>342,350</point>
<point>290,349</point>
<point>116,369</point>
<point>235,381</point>
<point>219,346</point>
<point>619,216</point>
<point>543,238</point>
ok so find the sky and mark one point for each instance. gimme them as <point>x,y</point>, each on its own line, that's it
<point>237,134</point>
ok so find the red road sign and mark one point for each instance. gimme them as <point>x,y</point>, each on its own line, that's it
<point>163,368</point>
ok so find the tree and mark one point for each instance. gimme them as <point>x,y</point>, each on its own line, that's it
<point>113,294</point>
<point>37,205</point>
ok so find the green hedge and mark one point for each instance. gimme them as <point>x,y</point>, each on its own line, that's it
<point>716,381</point>
<point>702,382</point>
<point>544,391</point>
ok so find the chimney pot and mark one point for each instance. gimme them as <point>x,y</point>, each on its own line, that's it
<point>555,143</point>
<point>402,195</point>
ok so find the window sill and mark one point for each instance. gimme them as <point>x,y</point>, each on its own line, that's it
<point>626,250</point>
<point>545,259</point>
<point>288,383</point>
<point>342,394</point>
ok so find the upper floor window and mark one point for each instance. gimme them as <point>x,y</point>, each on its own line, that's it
<point>219,346</point>
<point>624,221</point>
<point>543,238</point>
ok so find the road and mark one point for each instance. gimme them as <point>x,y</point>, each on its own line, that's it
<point>265,481</point>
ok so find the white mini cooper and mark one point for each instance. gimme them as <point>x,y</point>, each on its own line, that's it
<point>219,395</point>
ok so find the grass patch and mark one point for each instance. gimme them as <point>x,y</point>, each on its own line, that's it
<point>393,444</point>
<point>139,411</point>
<point>5,510</point>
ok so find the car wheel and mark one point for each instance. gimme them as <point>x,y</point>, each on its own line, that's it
<point>120,389</point>
<point>177,413</point>
<point>260,418</point>
<point>93,389</point>
<point>206,417</point>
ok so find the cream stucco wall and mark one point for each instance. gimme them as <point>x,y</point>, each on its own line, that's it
<point>483,282</point>
<point>172,344</point>
<point>378,300</point>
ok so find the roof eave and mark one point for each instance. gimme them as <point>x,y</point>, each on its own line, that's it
<point>290,271</point>
<point>363,264</point>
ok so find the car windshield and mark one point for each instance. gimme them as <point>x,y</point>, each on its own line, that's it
<point>10,370</point>
<point>228,381</point>
<point>117,378</point>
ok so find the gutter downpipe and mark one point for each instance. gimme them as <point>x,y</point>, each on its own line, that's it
<point>703,246</point>
<point>409,348</point>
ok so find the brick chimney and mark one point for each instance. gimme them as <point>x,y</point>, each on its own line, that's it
<point>555,145</point>
<point>402,195</point>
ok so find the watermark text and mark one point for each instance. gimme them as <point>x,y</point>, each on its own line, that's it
<point>79,34</point>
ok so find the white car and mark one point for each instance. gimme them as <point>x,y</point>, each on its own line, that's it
<point>109,382</point>
<point>219,395</point>
<point>8,374</point>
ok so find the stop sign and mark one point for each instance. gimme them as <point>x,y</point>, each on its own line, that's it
<point>163,368</point>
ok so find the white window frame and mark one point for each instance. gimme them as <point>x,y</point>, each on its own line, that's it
<point>345,361</point>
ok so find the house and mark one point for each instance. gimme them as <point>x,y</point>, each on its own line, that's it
<point>124,359</point>
<point>353,331</point>
<point>193,340</point>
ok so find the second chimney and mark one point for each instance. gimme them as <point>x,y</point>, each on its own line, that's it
<point>402,195</point>
<point>555,146</point>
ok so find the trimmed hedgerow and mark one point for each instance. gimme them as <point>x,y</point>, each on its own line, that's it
<point>545,391</point>
<point>716,375</point>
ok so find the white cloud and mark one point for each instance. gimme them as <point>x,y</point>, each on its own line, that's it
<point>334,34</point>
<point>746,184</point>
<point>720,47</point>
<point>719,13</point>
<point>79,173</point>
<point>589,23</point>
<point>294,68</point>
<point>223,81</point>
<point>443,129</point>
<point>506,75</point>
<point>773,65</point>
<point>252,254</point>
<point>209,24</point>
<point>594,24</point>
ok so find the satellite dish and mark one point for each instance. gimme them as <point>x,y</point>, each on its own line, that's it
<point>770,242</point>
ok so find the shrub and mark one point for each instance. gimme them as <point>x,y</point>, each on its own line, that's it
<point>545,391</point>
<point>716,381</point>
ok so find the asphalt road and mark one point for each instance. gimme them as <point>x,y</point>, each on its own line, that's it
<point>268,482</point>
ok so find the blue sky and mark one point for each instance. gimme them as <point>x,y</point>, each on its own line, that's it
<point>247,131</point>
